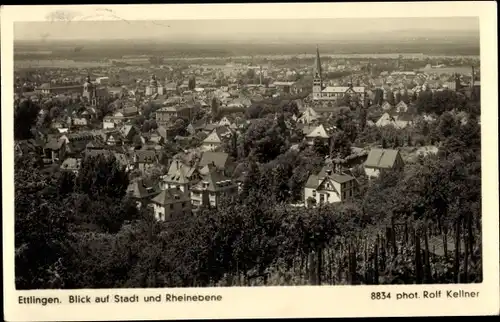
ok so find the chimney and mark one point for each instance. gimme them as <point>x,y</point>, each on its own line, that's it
<point>328,172</point>
<point>177,164</point>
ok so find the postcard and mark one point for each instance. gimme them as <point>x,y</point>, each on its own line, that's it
<point>249,160</point>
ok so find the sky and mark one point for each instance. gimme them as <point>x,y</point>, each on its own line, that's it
<point>240,29</point>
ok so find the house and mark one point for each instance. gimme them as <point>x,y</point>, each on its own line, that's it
<point>321,132</point>
<point>54,150</point>
<point>141,192</point>
<point>128,132</point>
<point>328,187</point>
<point>398,120</point>
<point>171,204</point>
<point>382,159</point>
<point>212,186</point>
<point>401,107</point>
<point>123,160</point>
<point>108,122</point>
<point>215,139</point>
<point>71,165</point>
<point>226,121</point>
<point>169,113</point>
<point>357,157</point>
<point>219,160</point>
<point>308,116</point>
<point>386,106</point>
<point>196,127</point>
<point>27,147</point>
<point>114,138</point>
<point>79,121</point>
<point>145,159</point>
<point>158,136</point>
<point>119,117</point>
<point>180,175</point>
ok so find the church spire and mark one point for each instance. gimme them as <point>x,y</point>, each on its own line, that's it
<point>317,64</point>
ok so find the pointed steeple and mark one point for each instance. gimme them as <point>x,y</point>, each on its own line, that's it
<point>317,64</point>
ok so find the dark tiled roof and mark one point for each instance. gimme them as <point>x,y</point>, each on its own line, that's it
<point>381,158</point>
<point>145,156</point>
<point>218,158</point>
<point>170,196</point>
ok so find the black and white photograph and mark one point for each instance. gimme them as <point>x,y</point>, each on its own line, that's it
<point>215,153</point>
<point>245,153</point>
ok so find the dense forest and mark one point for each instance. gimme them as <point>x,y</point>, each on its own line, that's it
<point>421,224</point>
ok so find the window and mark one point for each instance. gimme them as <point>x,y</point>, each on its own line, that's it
<point>183,205</point>
<point>171,206</point>
<point>314,193</point>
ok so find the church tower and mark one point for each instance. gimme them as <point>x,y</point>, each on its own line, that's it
<point>317,77</point>
<point>89,92</point>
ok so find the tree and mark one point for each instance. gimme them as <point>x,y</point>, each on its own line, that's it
<point>264,140</point>
<point>250,73</point>
<point>379,96</point>
<point>397,98</point>
<point>215,108</point>
<point>424,101</point>
<point>137,141</point>
<point>321,147</point>
<point>254,111</point>
<point>41,228</point>
<point>405,98</point>
<point>341,145</point>
<point>25,117</point>
<point>102,176</point>
<point>390,98</point>
<point>384,143</point>
<point>362,118</point>
<point>191,83</point>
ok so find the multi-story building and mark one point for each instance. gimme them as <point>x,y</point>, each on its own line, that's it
<point>171,204</point>
<point>328,187</point>
<point>212,186</point>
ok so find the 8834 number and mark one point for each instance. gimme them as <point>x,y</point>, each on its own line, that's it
<point>380,296</point>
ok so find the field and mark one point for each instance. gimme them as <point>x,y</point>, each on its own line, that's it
<point>66,63</point>
<point>448,70</point>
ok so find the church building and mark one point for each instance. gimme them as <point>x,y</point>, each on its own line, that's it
<point>332,93</point>
<point>154,87</point>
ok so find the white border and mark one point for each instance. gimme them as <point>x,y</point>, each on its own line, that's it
<point>335,301</point>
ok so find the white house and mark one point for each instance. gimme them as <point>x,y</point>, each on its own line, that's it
<point>328,187</point>
<point>382,159</point>
<point>108,122</point>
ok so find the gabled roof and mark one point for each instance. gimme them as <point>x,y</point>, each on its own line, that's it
<point>71,164</point>
<point>215,180</point>
<point>145,156</point>
<point>381,158</point>
<point>54,144</point>
<point>218,158</point>
<point>214,137</point>
<point>309,115</point>
<point>170,196</point>
<point>127,130</point>
<point>314,181</point>
<point>179,173</point>
<point>321,131</point>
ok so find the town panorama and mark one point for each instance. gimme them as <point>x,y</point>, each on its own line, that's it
<point>157,163</point>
